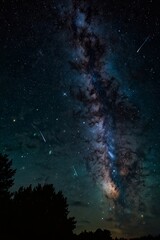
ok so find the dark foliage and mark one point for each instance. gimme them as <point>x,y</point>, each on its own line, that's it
<point>6,182</point>
<point>6,177</point>
<point>40,211</point>
<point>97,235</point>
<point>31,212</point>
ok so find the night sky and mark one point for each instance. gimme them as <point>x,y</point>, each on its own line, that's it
<point>79,101</point>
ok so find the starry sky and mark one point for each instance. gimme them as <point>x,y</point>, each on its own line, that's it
<point>79,100</point>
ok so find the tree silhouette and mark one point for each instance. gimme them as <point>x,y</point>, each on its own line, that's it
<point>86,235</point>
<point>99,234</point>
<point>6,177</point>
<point>6,182</point>
<point>102,234</point>
<point>40,211</point>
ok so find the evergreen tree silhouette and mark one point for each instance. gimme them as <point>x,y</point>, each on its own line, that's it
<point>6,182</point>
<point>6,177</point>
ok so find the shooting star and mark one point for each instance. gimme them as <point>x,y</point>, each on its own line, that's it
<point>147,38</point>
<point>42,136</point>
<point>75,172</point>
<point>36,128</point>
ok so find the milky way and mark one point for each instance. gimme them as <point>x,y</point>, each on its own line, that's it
<point>113,160</point>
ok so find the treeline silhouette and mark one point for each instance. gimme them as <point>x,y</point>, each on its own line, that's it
<point>38,212</point>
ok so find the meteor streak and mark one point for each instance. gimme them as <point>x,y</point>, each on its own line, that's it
<point>147,38</point>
